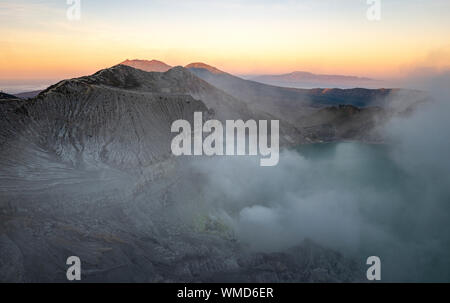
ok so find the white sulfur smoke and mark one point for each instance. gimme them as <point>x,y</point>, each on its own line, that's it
<point>387,200</point>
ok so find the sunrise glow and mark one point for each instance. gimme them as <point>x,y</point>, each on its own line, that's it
<point>241,37</point>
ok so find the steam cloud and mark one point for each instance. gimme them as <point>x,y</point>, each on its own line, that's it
<point>389,200</point>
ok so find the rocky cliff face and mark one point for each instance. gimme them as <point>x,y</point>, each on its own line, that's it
<point>87,171</point>
<point>97,119</point>
<point>345,122</point>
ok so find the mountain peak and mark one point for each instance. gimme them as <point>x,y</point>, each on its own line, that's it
<point>148,65</point>
<point>201,65</point>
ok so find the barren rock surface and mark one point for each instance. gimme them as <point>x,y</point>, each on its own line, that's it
<point>86,170</point>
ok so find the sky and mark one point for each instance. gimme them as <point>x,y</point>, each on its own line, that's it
<point>38,41</point>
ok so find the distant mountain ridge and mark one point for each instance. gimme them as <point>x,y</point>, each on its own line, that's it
<point>278,96</point>
<point>30,94</point>
<point>204,66</point>
<point>297,79</point>
<point>303,79</point>
<point>148,65</point>
<point>303,75</point>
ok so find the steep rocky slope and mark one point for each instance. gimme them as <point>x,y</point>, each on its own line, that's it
<point>179,80</point>
<point>78,122</point>
<point>87,171</point>
<point>293,104</point>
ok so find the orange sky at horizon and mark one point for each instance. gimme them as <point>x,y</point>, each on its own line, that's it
<point>42,44</point>
<point>72,64</point>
